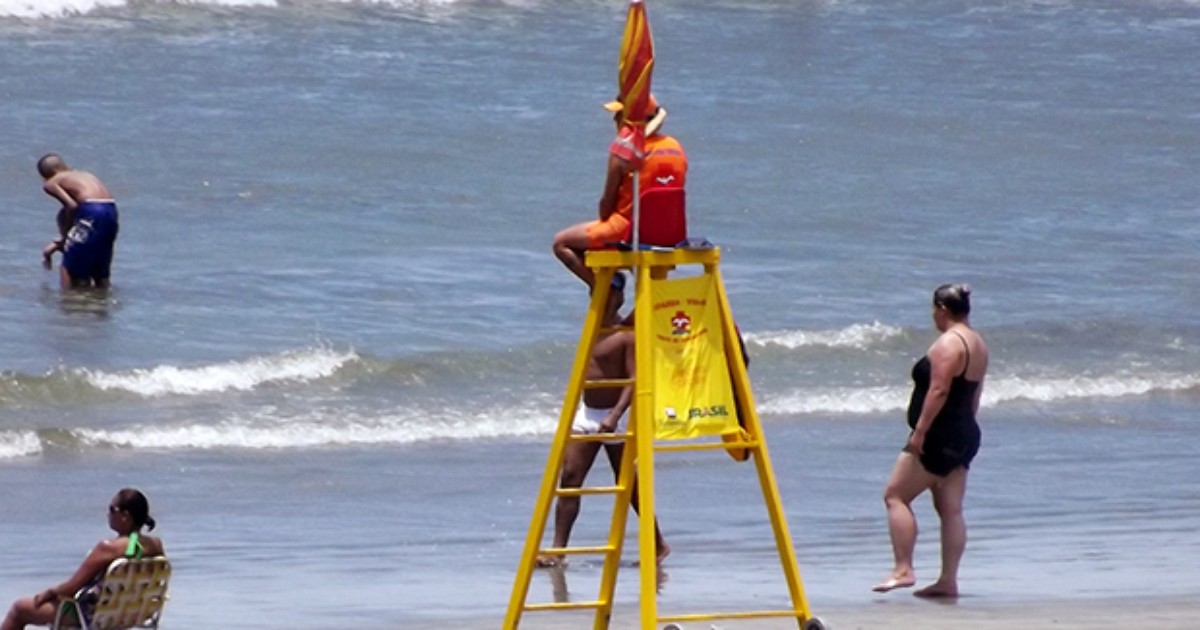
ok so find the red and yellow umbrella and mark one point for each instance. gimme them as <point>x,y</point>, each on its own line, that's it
<point>634,67</point>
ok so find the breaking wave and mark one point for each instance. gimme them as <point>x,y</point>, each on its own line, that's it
<point>860,336</point>
<point>330,428</point>
<point>480,420</point>
<point>49,9</point>
<point>998,390</point>
<point>303,365</point>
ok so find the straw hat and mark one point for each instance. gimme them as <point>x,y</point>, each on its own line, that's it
<point>654,122</point>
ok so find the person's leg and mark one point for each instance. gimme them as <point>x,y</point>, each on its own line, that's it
<point>615,451</point>
<point>948,495</point>
<point>908,480</point>
<point>570,246</point>
<point>102,271</point>
<point>76,266</point>
<point>23,613</point>
<point>64,278</point>
<point>577,461</point>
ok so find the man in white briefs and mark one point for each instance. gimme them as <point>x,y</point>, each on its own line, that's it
<point>603,411</point>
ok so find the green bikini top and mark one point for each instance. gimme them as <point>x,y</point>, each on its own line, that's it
<point>134,549</point>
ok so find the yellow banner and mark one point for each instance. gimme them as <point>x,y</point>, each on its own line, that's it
<point>692,392</point>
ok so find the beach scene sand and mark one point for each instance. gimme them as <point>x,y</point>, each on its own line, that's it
<point>337,342</point>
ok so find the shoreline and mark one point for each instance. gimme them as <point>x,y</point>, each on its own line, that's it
<point>1160,613</point>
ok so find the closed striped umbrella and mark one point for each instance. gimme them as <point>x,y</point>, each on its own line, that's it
<point>634,67</point>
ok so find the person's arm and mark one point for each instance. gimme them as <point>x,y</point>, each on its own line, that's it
<point>95,562</point>
<point>48,252</point>
<point>58,244</point>
<point>614,415</point>
<point>54,188</point>
<point>979,389</point>
<point>65,218</point>
<point>617,171</point>
<point>943,359</point>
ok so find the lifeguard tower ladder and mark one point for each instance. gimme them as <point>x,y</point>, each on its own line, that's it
<point>650,267</point>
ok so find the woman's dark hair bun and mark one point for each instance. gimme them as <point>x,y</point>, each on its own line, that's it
<point>135,503</point>
<point>955,298</point>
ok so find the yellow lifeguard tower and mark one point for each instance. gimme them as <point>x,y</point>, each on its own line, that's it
<point>740,434</point>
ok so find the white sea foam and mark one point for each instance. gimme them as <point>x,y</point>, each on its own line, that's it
<point>319,430</point>
<point>998,390</point>
<point>1077,387</point>
<point>855,336</point>
<point>242,375</point>
<point>836,400</point>
<point>53,8</point>
<point>46,9</point>
<point>333,427</point>
<point>19,444</point>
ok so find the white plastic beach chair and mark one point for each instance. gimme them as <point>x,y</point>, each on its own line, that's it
<point>131,595</point>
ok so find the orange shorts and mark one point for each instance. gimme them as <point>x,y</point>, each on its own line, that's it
<point>601,233</point>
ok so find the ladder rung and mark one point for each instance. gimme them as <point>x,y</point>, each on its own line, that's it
<point>575,551</point>
<point>608,330</point>
<point>578,492</point>
<point>563,606</point>
<point>607,383</point>
<point>599,437</point>
<point>762,614</point>
<point>707,446</point>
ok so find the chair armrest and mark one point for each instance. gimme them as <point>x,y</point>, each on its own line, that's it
<point>67,615</point>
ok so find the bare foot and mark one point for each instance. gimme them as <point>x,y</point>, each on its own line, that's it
<point>663,552</point>
<point>897,580</point>
<point>938,589</point>
<point>550,562</point>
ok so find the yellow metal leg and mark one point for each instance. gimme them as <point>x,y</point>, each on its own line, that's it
<point>644,438</point>
<point>616,531</point>
<point>554,462</point>
<point>762,460</point>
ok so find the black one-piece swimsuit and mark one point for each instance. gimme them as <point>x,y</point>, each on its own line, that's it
<point>953,438</point>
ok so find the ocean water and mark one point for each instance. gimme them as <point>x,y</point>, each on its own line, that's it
<point>337,342</point>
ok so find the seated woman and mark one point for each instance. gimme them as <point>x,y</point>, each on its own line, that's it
<point>128,513</point>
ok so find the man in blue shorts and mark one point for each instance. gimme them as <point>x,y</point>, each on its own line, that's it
<point>87,224</point>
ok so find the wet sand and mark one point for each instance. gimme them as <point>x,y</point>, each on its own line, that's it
<point>1073,614</point>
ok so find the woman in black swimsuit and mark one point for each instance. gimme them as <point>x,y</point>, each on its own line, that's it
<point>943,440</point>
<point>128,513</point>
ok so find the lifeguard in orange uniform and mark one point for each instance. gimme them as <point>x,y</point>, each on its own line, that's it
<point>665,166</point>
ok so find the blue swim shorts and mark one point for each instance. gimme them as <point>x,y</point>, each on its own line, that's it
<point>88,250</point>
